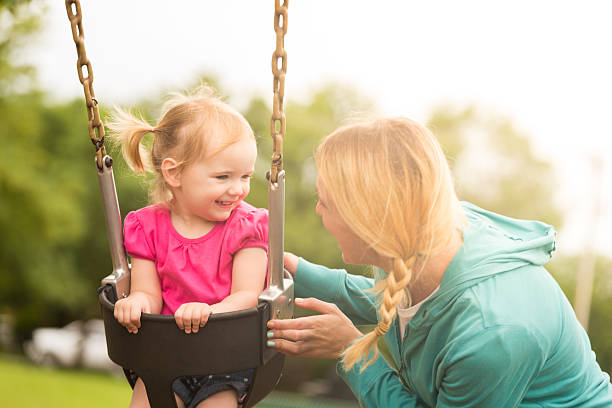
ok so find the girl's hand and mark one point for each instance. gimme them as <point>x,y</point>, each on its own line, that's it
<point>323,336</point>
<point>191,316</point>
<point>291,262</point>
<point>128,310</point>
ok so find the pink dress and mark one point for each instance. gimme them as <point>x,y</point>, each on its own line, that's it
<point>193,270</point>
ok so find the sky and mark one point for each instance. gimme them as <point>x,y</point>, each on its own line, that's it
<point>544,64</point>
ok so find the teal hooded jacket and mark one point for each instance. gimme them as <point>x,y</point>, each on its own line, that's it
<point>499,332</point>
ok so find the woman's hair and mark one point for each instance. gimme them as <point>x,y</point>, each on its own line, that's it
<point>391,184</point>
<point>189,123</point>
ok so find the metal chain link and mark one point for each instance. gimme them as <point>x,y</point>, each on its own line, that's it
<point>95,126</point>
<point>279,69</point>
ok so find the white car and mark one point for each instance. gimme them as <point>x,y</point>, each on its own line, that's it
<point>78,344</point>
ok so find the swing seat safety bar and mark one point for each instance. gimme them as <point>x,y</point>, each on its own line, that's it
<point>160,352</point>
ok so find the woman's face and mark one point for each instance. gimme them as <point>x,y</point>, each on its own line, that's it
<point>354,249</point>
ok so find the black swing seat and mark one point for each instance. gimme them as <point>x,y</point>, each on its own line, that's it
<point>160,352</point>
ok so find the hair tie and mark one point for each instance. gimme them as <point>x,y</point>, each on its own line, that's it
<point>152,130</point>
<point>381,329</point>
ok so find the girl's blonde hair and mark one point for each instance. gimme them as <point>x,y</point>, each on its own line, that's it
<point>189,123</point>
<point>391,184</point>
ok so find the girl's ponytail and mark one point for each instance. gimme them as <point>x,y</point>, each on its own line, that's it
<point>188,125</point>
<point>128,132</point>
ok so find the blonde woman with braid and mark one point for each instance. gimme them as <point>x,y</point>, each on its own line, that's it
<point>468,313</point>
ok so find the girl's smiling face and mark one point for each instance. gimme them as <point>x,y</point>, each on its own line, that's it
<point>211,188</point>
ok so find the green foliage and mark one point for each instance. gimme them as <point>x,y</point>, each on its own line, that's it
<point>487,153</point>
<point>307,124</point>
<point>17,24</point>
<point>600,318</point>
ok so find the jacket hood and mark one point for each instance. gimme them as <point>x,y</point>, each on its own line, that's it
<point>493,244</point>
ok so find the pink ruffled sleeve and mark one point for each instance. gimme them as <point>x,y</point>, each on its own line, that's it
<point>250,230</point>
<point>135,238</point>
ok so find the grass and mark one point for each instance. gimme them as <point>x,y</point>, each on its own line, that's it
<point>28,386</point>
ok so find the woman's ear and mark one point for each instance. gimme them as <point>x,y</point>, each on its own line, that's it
<point>171,173</point>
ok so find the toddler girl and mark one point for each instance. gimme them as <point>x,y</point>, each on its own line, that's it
<point>199,249</point>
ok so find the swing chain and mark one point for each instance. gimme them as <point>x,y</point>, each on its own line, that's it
<point>95,126</point>
<point>279,69</point>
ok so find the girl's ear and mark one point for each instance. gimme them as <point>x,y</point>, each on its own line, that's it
<point>170,171</point>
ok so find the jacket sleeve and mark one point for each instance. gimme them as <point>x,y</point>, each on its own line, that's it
<point>337,286</point>
<point>378,386</point>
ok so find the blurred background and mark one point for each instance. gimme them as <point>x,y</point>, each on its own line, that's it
<point>518,92</point>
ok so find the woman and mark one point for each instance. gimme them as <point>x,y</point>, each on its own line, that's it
<point>468,313</point>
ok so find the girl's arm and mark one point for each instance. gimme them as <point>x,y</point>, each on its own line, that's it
<point>145,295</point>
<point>248,275</point>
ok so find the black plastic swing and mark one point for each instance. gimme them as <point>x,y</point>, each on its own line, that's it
<point>160,352</point>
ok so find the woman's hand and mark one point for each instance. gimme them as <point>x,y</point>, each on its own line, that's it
<point>191,316</point>
<point>128,311</point>
<point>291,262</point>
<point>324,336</point>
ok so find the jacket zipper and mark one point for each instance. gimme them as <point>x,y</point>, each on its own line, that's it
<point>401,369</point>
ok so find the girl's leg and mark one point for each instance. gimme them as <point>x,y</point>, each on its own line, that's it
<point>179,402</point>
<point>139,396</point>
<point>223,399</point>
<point>141,400</point>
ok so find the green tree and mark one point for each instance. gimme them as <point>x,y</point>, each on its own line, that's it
<point>53,247</point>
<point>600,319</point>
<point>307,124</point>
<point>487,153</point>
<point>18,23</point>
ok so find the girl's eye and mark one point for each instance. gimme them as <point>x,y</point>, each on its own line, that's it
<point>246,177</point>
<point>222,177</point>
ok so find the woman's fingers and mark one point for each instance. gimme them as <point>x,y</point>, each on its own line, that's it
<point>290,348</point>
<point>325,335</point>
<point>292,335</point>
<point>299,323</point>
<point>291,262</point>
<point>317,305</point>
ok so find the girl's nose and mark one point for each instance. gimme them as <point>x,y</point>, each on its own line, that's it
<point>235,188</point>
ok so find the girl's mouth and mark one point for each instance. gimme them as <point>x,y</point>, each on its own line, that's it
<point>224,203</point>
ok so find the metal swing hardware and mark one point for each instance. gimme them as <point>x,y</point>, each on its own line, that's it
<point>119,279</point>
